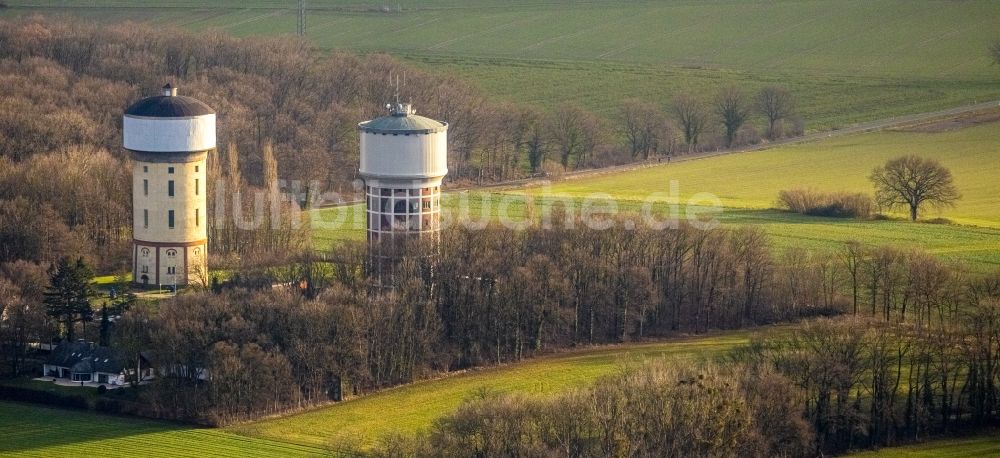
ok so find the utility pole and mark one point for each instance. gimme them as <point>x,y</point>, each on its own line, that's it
<point>301,31</point>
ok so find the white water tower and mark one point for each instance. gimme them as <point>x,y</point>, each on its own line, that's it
<point>404,158</point>
<point>169,137</point>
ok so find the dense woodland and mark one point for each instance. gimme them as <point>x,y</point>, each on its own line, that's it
<point>287,121</point>
<point>921,357</point>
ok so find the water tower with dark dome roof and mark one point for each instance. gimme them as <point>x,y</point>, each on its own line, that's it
<point>169,137</point>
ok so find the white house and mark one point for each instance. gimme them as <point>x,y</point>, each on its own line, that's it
<point>85,362</point>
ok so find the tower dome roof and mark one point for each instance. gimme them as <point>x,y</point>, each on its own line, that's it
<point>169,105</point>
<point>403,120</point>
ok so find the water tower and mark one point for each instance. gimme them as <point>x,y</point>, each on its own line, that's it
<point>169,137</point>
<point>404,157</point>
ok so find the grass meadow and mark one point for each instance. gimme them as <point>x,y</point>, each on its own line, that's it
<point>970,447</point>
<point>846,61</point>
<point>747,185</point>
<point>409,408</point>
<point>36,431</point>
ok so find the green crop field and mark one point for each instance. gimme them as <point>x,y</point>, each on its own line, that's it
<point>747,185</point>
<point>846,60</point>
<point>35,431</point>
<point>409,408</point>
<point>979,446</point>
<point>752,180</point>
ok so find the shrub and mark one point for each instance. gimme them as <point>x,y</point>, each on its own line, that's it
<point>732,410</point>
<point>108,406</point>
<point>20,394</point>
<point>835,204</point>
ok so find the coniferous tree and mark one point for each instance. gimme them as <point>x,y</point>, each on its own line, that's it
<point>105,327</point>
<point>69,293</point>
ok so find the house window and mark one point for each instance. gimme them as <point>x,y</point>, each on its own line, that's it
<point>145,187</point>
<point>170,188</point>
<point>170,219</point>
<point>145,222</point>
<point>170,170</point>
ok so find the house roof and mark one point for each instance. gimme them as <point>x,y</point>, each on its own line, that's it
<point>84,357</point>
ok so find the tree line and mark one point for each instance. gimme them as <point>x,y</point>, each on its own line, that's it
<point>498,295</point>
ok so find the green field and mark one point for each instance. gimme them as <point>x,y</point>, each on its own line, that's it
<point>35,431</point>
<point>747,185</point>
<point>980,446</point>
<point>752,180</point>
<point>846,60</point>
<point>409,408</point>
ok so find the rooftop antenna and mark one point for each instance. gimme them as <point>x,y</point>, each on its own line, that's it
<point>404,84</point>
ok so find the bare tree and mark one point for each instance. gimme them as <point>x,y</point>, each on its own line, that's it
<point>692,116</point>
<point>911,181</point>
<point>643,126</point>
<point>733,109</point>
<point>853,255</point>
<point>574,133</point>
<point>776,104</point>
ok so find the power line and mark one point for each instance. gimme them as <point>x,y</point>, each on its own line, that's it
<point>301,29</point>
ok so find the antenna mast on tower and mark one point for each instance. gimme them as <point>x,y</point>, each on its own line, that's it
<point>397,90</point>
<point>301,30</point>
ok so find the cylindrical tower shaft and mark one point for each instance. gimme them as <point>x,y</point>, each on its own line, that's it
<point>169,138</point>
<point>403,162</point>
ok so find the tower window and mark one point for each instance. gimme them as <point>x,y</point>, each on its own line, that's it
<point>196,186</point>
<point>197,217</point>
<point>170,170</point>
<point>196,168</point>
<point>145,220</point>
<point>145,169</point>
<point>171,253</point>
<point>145,187</point>
<point>170,219</point>
<point>170,188</point>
